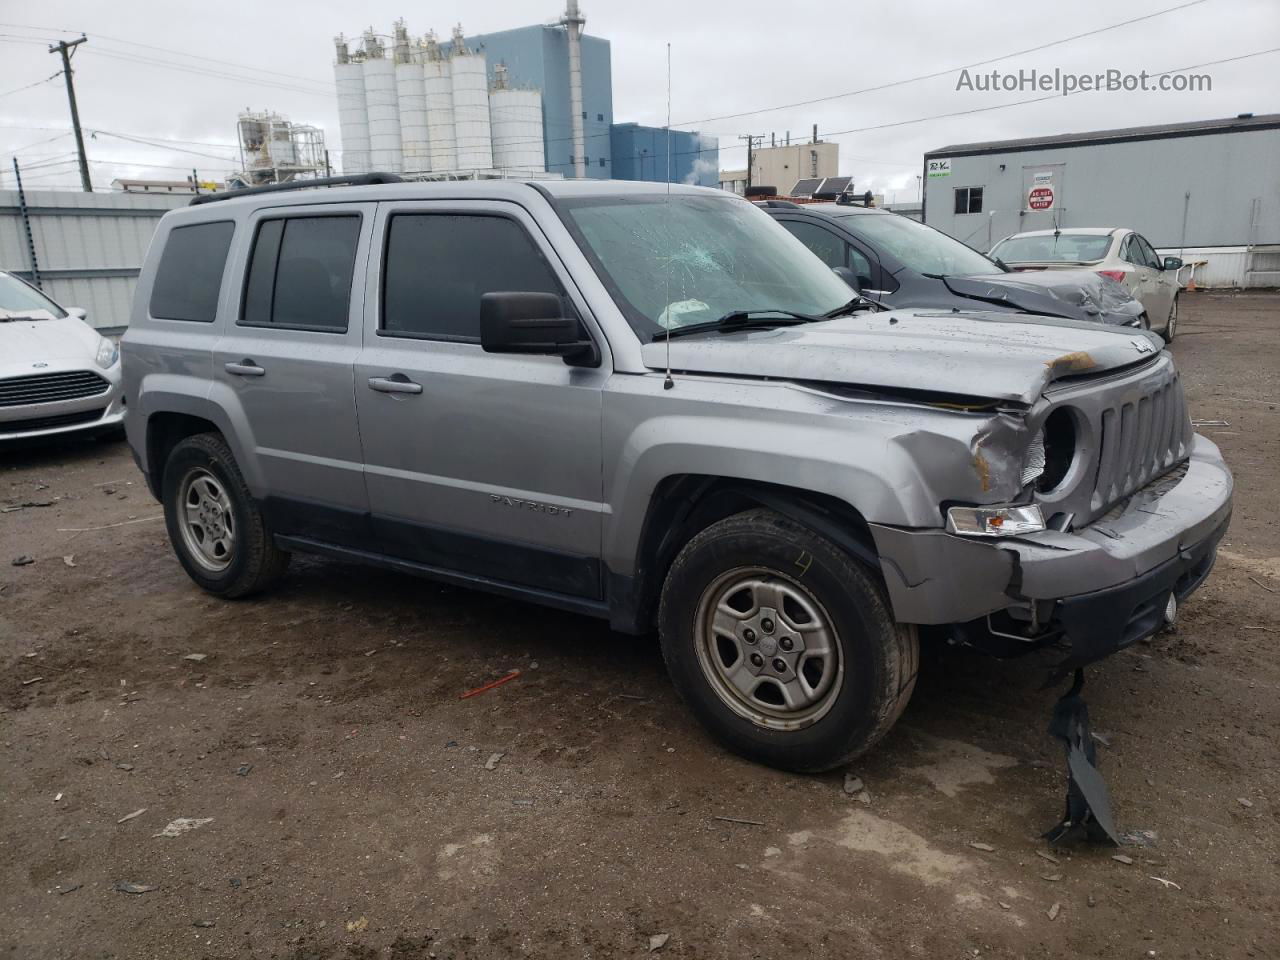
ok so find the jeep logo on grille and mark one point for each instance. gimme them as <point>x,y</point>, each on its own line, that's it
<point>1142,346</point>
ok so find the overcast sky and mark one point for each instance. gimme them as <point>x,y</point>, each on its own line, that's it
<point>727,59</point>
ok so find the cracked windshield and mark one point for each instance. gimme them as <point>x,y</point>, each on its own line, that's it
<point>696,259</point>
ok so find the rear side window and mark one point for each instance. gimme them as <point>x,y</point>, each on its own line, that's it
<point>300,273</point>
<point>190,272</point>
<point>437,266</point>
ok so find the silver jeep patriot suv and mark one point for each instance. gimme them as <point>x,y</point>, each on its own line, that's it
<point>657,407</point>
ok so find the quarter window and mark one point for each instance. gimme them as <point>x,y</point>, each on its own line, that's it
<point>190,272</point>
<point>300,273</point>
<point>968,199</point>
<point>437,266</point>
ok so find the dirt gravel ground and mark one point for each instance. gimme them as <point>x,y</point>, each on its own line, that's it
<point>353,812</point>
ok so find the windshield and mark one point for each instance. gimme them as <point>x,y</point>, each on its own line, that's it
<point>1053,248</point>
<point>919,248</point>
<point>19,297</point>
<point>697,258</point>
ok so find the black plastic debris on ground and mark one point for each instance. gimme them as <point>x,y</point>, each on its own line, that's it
<point>1088,808</point>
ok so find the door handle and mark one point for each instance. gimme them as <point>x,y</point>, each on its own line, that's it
<point>396,383</point>
<point>245,368</point>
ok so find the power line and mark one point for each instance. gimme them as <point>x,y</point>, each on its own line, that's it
<point>160,146</point>
<point>52,76</point>
<point>204,72</point>
<point>180,53</point>
<point>942,73</point>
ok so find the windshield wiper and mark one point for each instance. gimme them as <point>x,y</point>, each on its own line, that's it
<point>741,320</point>
<point>853,306</point>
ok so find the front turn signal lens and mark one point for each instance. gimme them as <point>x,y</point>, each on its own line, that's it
<point>994,521</point>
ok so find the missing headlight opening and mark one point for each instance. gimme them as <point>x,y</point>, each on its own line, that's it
<point>1058,438</point>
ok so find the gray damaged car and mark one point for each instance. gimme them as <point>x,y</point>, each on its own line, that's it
<point>661,410</point>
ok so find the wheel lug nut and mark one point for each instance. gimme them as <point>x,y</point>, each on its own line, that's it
<point>766,625</point>
<point>780,665</point>
<point>749,635</point>
<point>757,660</point>
<point>786,643</point>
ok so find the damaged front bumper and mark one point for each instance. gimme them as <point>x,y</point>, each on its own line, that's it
<point>1101,587</point>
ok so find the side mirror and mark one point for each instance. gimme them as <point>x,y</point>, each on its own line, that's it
<point>78,312</point>
<point>534,323</point>
<point>848,276</point>
<point>1173,263</point>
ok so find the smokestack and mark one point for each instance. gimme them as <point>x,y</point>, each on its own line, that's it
<point>573,21</point>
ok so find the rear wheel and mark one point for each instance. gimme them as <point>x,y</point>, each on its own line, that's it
<point>783,644</point>
<point>216,529</point>
<point>1171,326</point>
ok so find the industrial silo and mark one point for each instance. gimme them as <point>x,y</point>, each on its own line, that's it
<point>438,84</point>
<point>516,119</point>
<point>411,95</point>
<point>469,74</point>
<point>353,118</point>
<point>384,112</point>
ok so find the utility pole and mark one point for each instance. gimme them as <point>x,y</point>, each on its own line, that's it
<point>26,225</point>
<point>751,139</point>
<point>65,49</point>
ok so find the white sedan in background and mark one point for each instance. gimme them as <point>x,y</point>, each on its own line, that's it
<point>57,374</point>
<point>1115,252</point>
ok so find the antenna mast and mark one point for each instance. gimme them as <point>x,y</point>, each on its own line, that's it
<point>668,383</point>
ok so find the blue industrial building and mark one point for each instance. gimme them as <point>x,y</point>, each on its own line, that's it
<point>538,57</point>
<point>640,153</point>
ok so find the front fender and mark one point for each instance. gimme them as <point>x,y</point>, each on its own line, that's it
<point>894,463</point>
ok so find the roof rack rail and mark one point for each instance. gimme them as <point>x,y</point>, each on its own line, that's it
<point>353,180</point>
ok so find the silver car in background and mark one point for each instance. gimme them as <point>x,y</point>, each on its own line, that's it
<point>57,374</point>
<point>1116,252</point>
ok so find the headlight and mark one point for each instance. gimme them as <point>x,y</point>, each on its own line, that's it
<point>108,354</point>
<point>994,521</point>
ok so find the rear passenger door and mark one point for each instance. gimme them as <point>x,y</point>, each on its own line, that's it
<point>285,366</point>
<point>478,463</point>
<point>1139,277</point>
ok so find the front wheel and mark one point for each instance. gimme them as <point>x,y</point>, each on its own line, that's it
<point>783,644</point>
<point>216,528</point>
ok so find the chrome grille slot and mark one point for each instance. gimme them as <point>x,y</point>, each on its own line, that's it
<point>1141,440</point>
<point>51,387</point>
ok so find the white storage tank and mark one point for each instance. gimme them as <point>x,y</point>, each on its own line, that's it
<point>353,118</point>
<point>470,77</point>
<point>438,84</point>
<point>411,96</point>
<point>383,105</point>
<point>516,119</point>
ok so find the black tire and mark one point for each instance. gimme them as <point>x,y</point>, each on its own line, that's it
<point>880,657</point>
<point>255,562</point>
<point>1171,321</point>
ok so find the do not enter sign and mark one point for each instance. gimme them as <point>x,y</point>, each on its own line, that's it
<point>1041,198</point>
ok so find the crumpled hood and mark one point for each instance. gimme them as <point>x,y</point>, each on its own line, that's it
<point>24,342</point>
<point>1075,294</point>
<point>992,355</point>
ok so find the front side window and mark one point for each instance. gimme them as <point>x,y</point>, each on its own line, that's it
<point>190,272</point>
<point>300,273</point>
<point>824,244</point>
<point>672,262</point>
<point>438,266</point>
<point>968,199</point>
